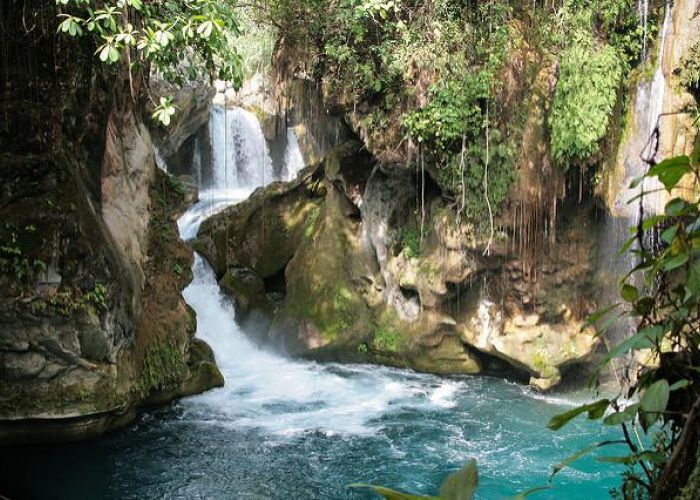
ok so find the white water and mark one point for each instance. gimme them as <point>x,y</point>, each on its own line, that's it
<point>642,146</point>
<point>293,159</point>
<point>240,157</point>
<point>287,397</point>
<point>643,11</point>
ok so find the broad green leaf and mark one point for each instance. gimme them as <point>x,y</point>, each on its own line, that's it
<point>634,458</point>
<point>694,279</point>
<point>390,494</point>
<point>676,262</point>
<point>622,416</point>
<point>671,171</point>
<point>654,402</point>
<point>462,484</point>
<point>594,410</point>
<point>645,339</point>
<point>649,223</point>
<point>681,384</point>
<point>580,454</point>
<point>531,491</point>
<point>670,233</point>
<point>675,207</point>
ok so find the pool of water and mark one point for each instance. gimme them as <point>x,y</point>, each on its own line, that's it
<point>410,433</point>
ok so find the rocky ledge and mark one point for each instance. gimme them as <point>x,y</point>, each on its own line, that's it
<point>337,265</point>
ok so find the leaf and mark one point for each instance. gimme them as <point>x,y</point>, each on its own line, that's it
<point>622,416</point>
<point>104,53</point>
<point>676,262</point>
<point>634,458</point>
<point>646,338</point>
<point>654,402</point>
<point>390,494</point>
<point>670,233</point>
<point>681,384</point>
<point>595,410</point>
<point>597,315</point>
<point>675,207</point>
<point>629,293</point>
<point>462,484</point>
<point>580,454</point>
<point>670,171</point>
<point>694,280</point>
<point>525,494</point>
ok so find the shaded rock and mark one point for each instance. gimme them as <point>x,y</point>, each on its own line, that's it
<point>247,289</point>
<point>263,232</point>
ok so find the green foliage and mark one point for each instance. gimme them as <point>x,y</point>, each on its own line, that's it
<point>387,340</point>
<point>180,40</point>
<point>14,259</point>
<point>97,296</point>
<point>586,93</point>
<point>460,485</point>
<point>410,242</point>
<point>311,222</point>
<point>163,368</point>
<point>688,71</point>
<point>666,308</point>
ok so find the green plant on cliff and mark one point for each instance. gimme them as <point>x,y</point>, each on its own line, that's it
<point>589,77</point>
<point>688,71</point>
<point>15,261</point>
<point>163,366</point>
<point>664,399</point>
<point>387,340</point>
<point>179,40</point>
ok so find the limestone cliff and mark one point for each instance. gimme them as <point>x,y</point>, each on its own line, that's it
<point>92,321</point>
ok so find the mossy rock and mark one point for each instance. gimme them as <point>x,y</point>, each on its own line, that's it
<point>247,289</point>
<point>263,232</point>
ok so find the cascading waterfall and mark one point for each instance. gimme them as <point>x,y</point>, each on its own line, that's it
<point>240,157</point>
<point>643,11</point>
<point>642,146</point>
<point>639,147</point>
<point>293,159</point>
<point>361,422</point>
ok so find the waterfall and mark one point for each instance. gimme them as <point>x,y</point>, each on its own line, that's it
<point>293,159</point>
<point>639,145</point>
<point>643,11</point>
<point>643,143</point>
<point>240,156</point>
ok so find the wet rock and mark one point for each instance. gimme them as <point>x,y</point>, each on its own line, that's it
<point>21,365</point>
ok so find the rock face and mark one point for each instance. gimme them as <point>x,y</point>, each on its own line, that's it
<point>82,344</point>
<point>92,321</point>
<point>359,284</point>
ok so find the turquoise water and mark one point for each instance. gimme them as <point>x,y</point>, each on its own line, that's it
<point>285,429</point>
<point>191,450</point>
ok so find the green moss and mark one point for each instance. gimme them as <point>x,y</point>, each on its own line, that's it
<point>332,310</point>
<point>387,340</point>
<point>163,367</point>
<point>311,222</point>
<point>410,242</point>
<point>430,270</point>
